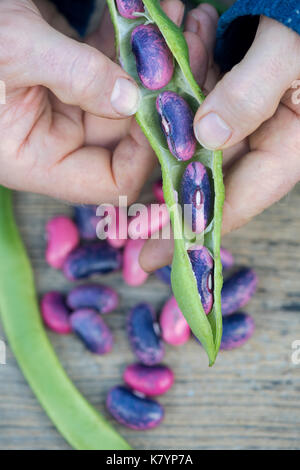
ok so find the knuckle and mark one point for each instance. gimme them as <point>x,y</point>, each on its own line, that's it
<point>245,98</point>
<point>86,71</point>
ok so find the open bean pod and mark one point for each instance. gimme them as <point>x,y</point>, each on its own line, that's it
<point>159,116</point>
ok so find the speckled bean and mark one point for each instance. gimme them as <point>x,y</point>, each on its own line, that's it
<point>177,124</point>
<point>143,337</point>
<point>133,274</point>
<point>157,189</point>
<point>86,220</point>
<point>62,237</point>
<point>164,274</point>
<point>127,8</point>
<point>154,60</point>
<point>197,195</point>
<point>227,258</point>
<point>55,313</point>
<point>92,330</point>
<point>150,219</point>
<point>94,258</point>
<point>202,264</point>
<point>149,380</point>
<point>237,330</point>
<point>95,296</point>
<point>174,327</point>
<point>238,290</point>
<point>133,411</point>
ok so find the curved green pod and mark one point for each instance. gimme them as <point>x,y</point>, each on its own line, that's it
<point>81,425</point>
<point>207,328</point>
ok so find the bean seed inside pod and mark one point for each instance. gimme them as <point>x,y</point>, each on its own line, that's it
<point>154,60</point>
<point>143,336</point>
<point>92,330</point>
<point>196,196</point>
<point>133,411</point>
<point>150,380</point>
<point>177,124</point>
<point>238,290</point>
<point>203,266</point>
<point>101,298</point>
<point>237,330</point>
<point>127,8</point>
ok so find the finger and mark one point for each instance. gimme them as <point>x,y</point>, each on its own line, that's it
<point>203,21</point>
<point>198,57</point>
<point>93,175</point>
<point>156,254</point>
<point>249,94</point>
<point>266,174</point>
<point>76,73</point>
<point>103,38</point>
<point>174,9</point>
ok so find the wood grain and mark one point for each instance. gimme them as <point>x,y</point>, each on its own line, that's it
<point>248,400</point>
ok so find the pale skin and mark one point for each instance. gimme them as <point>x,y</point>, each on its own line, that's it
<point>67,131</point>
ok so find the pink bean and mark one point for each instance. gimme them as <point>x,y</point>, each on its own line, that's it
<point>62,237</point>
<point>174,327</point>
<point>150,380</point>
<point>133,274</point>
<point>150,219</point>
<point>157,189</point>
<point>55,313</point>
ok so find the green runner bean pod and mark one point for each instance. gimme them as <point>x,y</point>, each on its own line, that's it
<point>207,328</point>
<point>81,425</point>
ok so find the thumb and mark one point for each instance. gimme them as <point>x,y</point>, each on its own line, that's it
<point>250,93</point>
<point>76,73</point>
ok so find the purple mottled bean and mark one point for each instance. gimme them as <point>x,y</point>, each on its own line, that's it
<point>227,258</point>
<point>237,330</point>
<point>164,274</point>
<point>55,313</point>
<point>196,196</point>
<point>133,411</point>
<point>86,220</point>
<point>94,258</point>
<point>101,298</point>
<point>92,330</point>
<point>149,380</point>
<point>177,124</point>
<point>238,290</point>
<point>127,8</point>
<point>174,327</point>
<point>154,60</point>
<point>143,337</point>
<point>62,237</point>
<point>203,265</point>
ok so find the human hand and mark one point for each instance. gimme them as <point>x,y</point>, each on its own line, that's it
<point>50,140</point>
<point>250,114</point>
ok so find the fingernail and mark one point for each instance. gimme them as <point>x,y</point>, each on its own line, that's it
<point>191,24</point>
<point>212,132</point>
<point>125,97</point>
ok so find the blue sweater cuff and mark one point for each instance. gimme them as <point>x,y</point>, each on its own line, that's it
<point>237,27</point>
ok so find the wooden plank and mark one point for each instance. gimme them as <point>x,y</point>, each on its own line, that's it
<point>248,400</point>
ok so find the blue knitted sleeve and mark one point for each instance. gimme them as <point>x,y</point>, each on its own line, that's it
<point>237,27</point>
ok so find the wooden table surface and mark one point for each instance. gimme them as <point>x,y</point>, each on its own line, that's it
<point>248,400</point>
